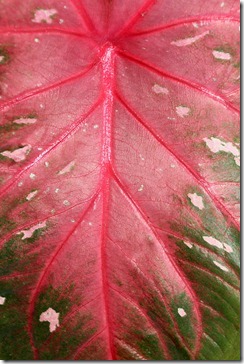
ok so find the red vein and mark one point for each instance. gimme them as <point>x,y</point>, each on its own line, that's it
<point>192,85</point>
<point>178,336</point>
<point>147,5</point>
<point>65,319</point>
<point>19,274</point>
<point>185,21</point>
<point>209,272</point>
<point>83,346</point>
<point>196,176</point>
<point>147,318</point>
<point>36,91</point>
<point>60,140</point>
<point>46,269</point>
<point>202,247</point>
<point>130,349</point>
<point>38,221</point>
<point>108,84</point>
<point>199,328</point>
<point>43,30</point>
<point>84,15</point>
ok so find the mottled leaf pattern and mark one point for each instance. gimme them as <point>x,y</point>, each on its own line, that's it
<point>119,171</point>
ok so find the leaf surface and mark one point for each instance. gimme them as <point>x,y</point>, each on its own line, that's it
<point>119,177</point>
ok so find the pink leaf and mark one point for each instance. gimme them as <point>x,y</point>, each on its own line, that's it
<point>119,180</point>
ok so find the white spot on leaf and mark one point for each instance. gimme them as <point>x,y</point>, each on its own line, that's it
<point>181,312</point>
<point>140,188</point>
<point>44,16</point>
<point>224,56</point>
<point>29,232</point>
<point>66,202</point>
<point>214,242</point>
<point>157,89</point>
<point>32,176</point>
<point>188,41</point>
<point>2,300</point>
<point>52,317</point>
<point>237,160</point>
<point>67,168</point>
<point>196,200</point>
<point>25,121</point>
<point>31,195</point>
<point>216,145</point>
<point>222,267</point>
<point>189,245</point>
<point>18,155</point>
<point>182,111</point>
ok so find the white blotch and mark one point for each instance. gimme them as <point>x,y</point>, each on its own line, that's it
<point>46,164</point>
<point>195,25</point>
<point>41,106</point>
<point>61,21</point>
<point>2,300</point>
<point>36,40</point>
<point>216,145</point>
<point>224,56</point>
<point>57,190</point>
<point>160,90</point>
<point>29,232</point>
<point>25,121</point>
<point>20,184</point>
<point>169,118</point>
<point>189,245</point>
<point>222,4</point>
<point>31,195</point>
<point>188,41</point>
<point>227,248</point>
<point>44,16</point>
<point>90,223</point>
<point>141,188</point>
<point>182,111</point>
<point>196,200</point>
<point>237,160</point>
<point>221,266</point>
<point>52,317</point>
<point>18,155</point>
<point>95,126</point>
<point>141,157</point>
<point>32,176</point>
<point>214,242</point>
<point>181,312</point>
<point>2,59</point>
<point>67,168</point>
<point>66,202</point>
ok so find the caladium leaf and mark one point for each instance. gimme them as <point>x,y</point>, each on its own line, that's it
<point>119,179</point>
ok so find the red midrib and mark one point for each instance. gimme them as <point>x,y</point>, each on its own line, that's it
<point>107,61</point>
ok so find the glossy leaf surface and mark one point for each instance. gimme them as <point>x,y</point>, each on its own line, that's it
<point>119,167</point>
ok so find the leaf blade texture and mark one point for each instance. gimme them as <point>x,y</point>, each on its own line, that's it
<point>119,180</point>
